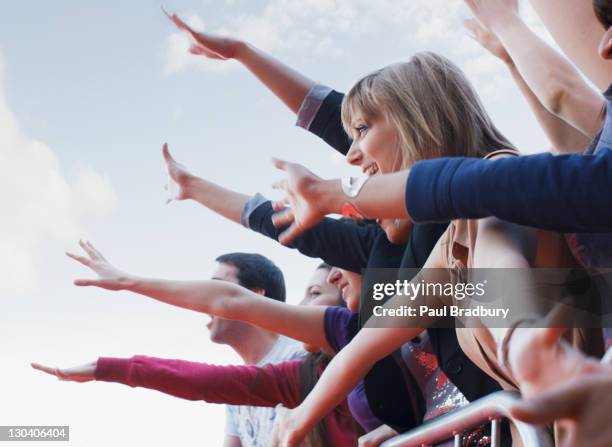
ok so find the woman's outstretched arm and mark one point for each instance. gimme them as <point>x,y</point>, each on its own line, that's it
<point>576,30</point>
<point>554,80</point>
<point>463,188</point>
<point>215,297</point>
<point>563,137</point>
<point>287,84</point>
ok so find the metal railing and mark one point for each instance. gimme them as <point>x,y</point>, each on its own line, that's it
<point>452,425</point>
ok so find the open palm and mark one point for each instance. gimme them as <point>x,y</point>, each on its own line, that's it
<point>109,277</point>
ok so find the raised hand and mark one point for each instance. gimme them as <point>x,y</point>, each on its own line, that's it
<point>284,433</point>
<point>487,39</point>
<point>581,407</point>
<point>82,373</point>
<point>109,277</point>
<point>179,178</point>
<point>492,13</point>
<point>542,360</point>
<point>304,197</point>
<point>205,44</point>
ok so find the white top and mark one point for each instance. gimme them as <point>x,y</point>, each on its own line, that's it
<point>253,425</point>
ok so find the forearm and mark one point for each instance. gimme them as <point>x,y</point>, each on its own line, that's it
<point>370,202</point>
<point>563,137</point>
<point>290,86</point>
<point>233,302</point>
<point>577,31</point>
<point>555,82</point>
<point>223,201</point>
<point>213,297</point>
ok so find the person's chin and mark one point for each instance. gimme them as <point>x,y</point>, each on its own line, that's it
<point>397,233</point>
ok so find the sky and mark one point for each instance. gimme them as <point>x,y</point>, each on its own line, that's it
<point>89,92</point>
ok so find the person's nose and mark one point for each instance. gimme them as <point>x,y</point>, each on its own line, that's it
<point>334,276</point>
<point>354,155</point>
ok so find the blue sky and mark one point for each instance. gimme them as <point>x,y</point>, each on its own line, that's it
<point>89,91</point>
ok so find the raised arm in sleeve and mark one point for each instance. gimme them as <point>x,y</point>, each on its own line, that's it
<point>567,193</point>
<point>265,386</point>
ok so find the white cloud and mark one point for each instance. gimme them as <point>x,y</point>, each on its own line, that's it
<point>38,203</point>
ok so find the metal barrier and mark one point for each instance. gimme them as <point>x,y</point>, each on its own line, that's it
<point>452,425</point>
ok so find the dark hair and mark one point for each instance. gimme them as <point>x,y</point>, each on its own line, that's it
<point>324,265</point>
<point>310,371</point>
<point>603,12</point>
<point>257,272</point>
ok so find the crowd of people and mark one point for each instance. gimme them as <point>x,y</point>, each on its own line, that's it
<point>443,189</point>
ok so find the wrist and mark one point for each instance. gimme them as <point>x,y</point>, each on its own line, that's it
<point>128,282</point>
<point>506,23</point>
<point>332,196</point>
<point>190,186</point>
<point>240,50</point>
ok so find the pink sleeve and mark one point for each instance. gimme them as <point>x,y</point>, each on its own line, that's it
<point>264,386</point>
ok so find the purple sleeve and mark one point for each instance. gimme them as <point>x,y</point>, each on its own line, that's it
<point>340,326</point>
<point>264,386</point>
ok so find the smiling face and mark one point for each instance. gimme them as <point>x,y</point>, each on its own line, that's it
<point>349,284</point>
<point>376,150</point>
<point>319,291</point>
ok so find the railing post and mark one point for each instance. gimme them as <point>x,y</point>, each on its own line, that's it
<point>496,433</point>
<point>457,442</point>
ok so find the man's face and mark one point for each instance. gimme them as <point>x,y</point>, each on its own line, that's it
<point>226,331</point>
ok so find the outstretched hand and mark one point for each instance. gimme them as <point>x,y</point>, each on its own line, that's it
<point>284,433</point>
<point>109,277</point>
<point>581,408</point>
<point>556,361</point>
<point>206,44</point>
<point>486,39</point>
<point>179,178</point>
<point>82,373</point>
<point>301,187</point>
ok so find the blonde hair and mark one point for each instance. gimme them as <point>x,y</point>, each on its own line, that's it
<point>433,106</point>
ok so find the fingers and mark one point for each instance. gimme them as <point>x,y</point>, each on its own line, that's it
<point>87,249</point>
<point>94,250</point>
<point>167,157</point>
<point>287,236</point>
<point>85,261</point>
<point>280,184</point>
<point>46,369</point>
<point>88,283</point>
<point>561,402</point>
<point>201,50</point>
<point>283,218</point>
<point>280,164</point>
<point>280,205</point>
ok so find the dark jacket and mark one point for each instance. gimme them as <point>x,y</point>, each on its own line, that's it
<point>356,247</point>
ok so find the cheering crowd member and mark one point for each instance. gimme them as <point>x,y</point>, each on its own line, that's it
<point>432,155</point>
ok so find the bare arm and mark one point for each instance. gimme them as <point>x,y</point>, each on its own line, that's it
<point>287,84</point>
<point>563,137</point>
<point>555,82</point>
<point>215,297</point>
<point>349,366</point>
<point>576,30</point>
<point>183,185</point>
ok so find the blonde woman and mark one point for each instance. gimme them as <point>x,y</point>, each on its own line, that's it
<point>425,109</point>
